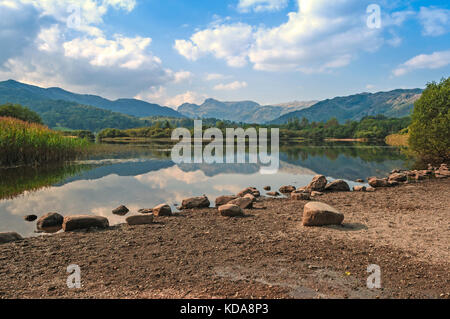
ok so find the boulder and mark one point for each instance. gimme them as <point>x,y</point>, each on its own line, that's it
<point>378,182</point>
<point>195,202</point>
<point>30,218</point>
<point>359,188</point>
<point>287,189</point>
<point>398,177</point>
<point>77,222</point>
<point>242,202</point>
<point>317,184</point>
<point>253,198</point>
<point>9,237</point>
<point>50,223</point>
<point>222,200</point>
<point>320,214</point>
<point>230,210</point>
<point>140,219</point>
<point>249,190</point>
<point>300,196</point>
<point>267,188</point>
<point>162,210</point>
<point>146,211</point>
<point>337,186</point>
<point>121,210</point>
<point>273,194</point>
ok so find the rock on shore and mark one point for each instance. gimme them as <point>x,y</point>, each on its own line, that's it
<point>195,202</point>
<point>320,214</point>
<point>317,184</point>
<point>145,219</point>
<point>9,237</point>
<point>162,210</point>
<point>230,210</point>
<point>77,222</point>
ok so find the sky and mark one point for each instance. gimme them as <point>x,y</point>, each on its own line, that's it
<point>270,51</point>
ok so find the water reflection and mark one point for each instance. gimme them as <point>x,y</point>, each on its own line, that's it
<point>140,177</point>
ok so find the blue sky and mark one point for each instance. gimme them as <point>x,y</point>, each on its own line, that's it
<point>269,51</point>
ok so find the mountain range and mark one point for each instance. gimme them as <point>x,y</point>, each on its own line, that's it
<point>13,92</point>
<point>64,109</point>
<point>396,103</point>
<point>243,111</point>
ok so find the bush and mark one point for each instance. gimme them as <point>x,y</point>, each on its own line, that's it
<point>19,112</point>
<point>430,128</point>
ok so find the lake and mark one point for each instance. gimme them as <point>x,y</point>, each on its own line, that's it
<point>143,176</point>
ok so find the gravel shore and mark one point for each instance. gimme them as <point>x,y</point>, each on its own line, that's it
<point>266,254</point>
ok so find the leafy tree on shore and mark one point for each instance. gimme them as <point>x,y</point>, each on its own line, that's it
<point>430,128</point>
<point>19,112</point>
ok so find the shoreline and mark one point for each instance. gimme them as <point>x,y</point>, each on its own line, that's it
<point>267,254</point>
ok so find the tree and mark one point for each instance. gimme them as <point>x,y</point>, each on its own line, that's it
<point>430,127</point>
<point>19,112</point>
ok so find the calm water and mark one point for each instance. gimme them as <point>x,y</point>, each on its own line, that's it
<point>143,176</point>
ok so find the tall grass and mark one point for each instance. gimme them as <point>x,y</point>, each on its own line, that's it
<point>22,143</point>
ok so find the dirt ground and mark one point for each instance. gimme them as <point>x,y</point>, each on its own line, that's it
<point>267,254</point>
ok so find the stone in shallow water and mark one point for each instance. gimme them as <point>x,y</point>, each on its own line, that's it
<point>121,210</point>
<point>287,189</point>
<point>30,218</point>
<point>50,223</point>
<point>321,214</point>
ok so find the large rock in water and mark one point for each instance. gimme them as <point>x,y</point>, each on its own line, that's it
<point>287,189</point>
<point>9,237</point>
<point>195,202</point>
<point>320,214</point>
<point>242,202</point>
<point>77,222</point>
<point>230,210</point>
<point>145,219</point>
<point>50,223</point>
<point>337,186</point>
<point>222,200</point>
<point>317,184</point>
<point>121,210</point>
<point>162,210</point>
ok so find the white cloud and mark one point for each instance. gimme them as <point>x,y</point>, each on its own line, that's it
<point>319,37</point>
<point>228,42</point>
<point>182,76</point>
<point>435,60</point>
<point>261,5</point>
<point>215,77</point>
<point>435,21</point>
<point>39,48</point>
<point>236,85</point>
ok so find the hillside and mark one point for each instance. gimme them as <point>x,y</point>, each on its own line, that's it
<point>397,103</point>
<point>243,111</point>
<point>12,91</point>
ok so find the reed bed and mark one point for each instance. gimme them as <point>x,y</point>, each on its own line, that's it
<point>23,143</point>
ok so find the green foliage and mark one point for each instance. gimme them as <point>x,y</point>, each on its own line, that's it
<point>23,143</point>
<point>19,112</point>
<point>370,127</point>
<point>430,128</point>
